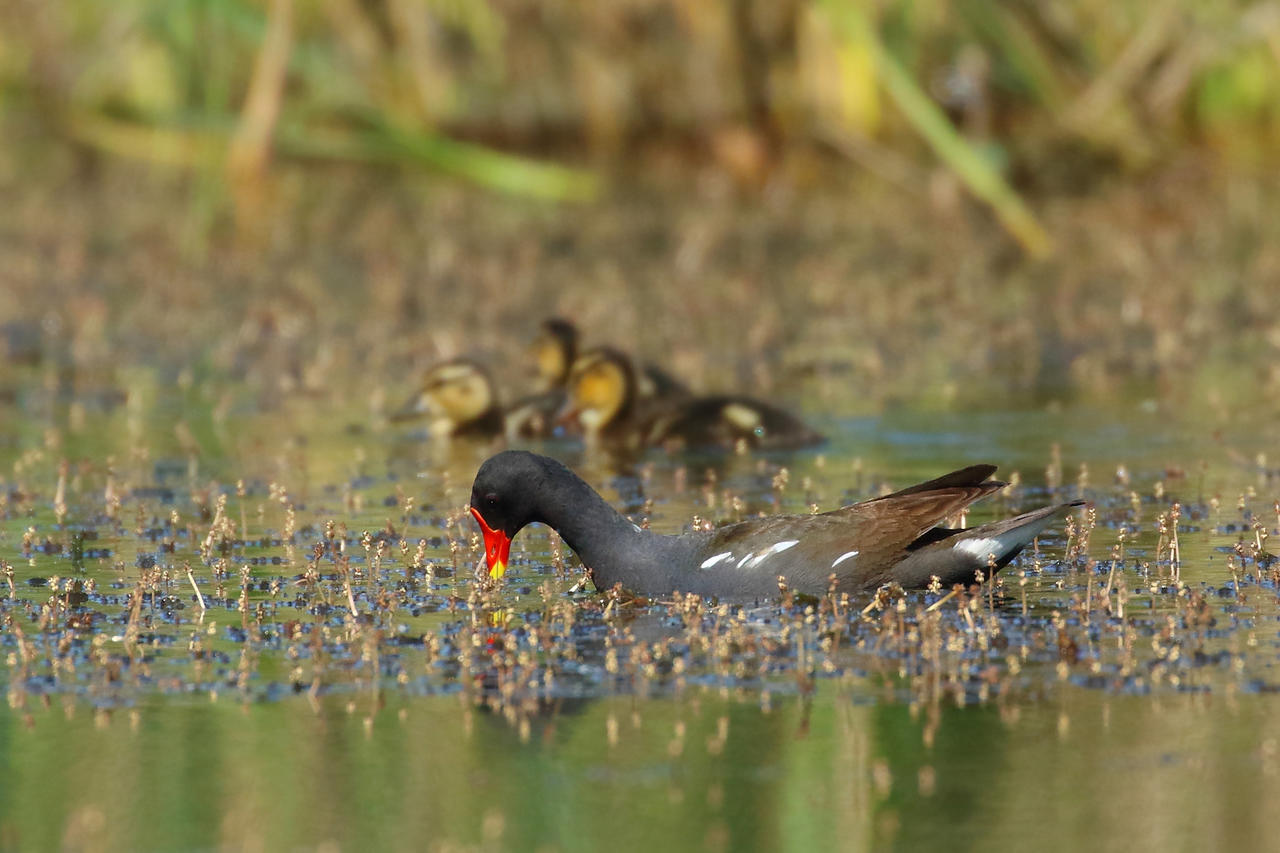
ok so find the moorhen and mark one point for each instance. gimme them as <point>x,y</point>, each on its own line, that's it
<point>458,399</point>
<point>897,537</point>
<point>604,398</point>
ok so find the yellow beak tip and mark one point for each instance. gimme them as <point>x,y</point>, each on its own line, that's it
<point>498,570</point>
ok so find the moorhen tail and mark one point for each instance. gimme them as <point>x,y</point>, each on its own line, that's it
<point>890,538</point>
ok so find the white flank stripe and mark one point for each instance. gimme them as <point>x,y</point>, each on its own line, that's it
<point>775,548</point>
<point>846,555</point>
<point>982,548</point>
<point>711,561</point>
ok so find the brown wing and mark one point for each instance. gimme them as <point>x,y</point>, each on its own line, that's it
<point>887,525</point>
<point>974,475</point>
<point>860,542</point>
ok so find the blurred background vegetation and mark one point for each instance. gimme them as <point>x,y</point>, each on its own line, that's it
<point>550,98</point>
<point>907,197</point>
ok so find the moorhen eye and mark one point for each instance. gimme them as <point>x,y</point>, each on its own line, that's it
<point>491,499</point>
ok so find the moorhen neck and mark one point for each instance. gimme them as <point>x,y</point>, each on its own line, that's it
<point>891,538</point>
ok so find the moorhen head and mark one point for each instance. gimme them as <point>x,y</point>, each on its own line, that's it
<point>897,537</point>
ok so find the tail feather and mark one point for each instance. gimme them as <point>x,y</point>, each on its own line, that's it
<point>1002,540</point>
<point>956,556</point>
<point>974,475</point>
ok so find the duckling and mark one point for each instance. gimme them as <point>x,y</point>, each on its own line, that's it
<point>655,384</point>
<point>458,399</point>
<point>552,353</point>
<point>603,398</point>
<point>726,421</point>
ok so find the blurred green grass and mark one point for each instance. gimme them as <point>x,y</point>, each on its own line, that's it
<point>552,99</point>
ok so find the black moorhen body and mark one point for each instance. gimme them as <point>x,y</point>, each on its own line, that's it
<point>891,538</point>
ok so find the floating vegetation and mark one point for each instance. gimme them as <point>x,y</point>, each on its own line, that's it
<point>118,590</point>
<point>141,598</point>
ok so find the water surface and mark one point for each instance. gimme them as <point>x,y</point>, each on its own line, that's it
<point>525,718</point>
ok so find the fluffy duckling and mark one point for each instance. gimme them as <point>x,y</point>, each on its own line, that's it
<point>726,421</point>
<point>551,353</point>
<point>604,400</point>
<point>602,397</point>
<point>457,398</point>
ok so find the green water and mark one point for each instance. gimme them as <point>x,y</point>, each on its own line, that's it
<point>226,730</point>
<point>703,771</point>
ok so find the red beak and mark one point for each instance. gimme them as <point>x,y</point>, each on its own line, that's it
<point>497,546</point>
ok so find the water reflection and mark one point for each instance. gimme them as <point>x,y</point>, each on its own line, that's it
<point>703,771</point>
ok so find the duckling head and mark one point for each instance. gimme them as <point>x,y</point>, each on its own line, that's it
<point>601,389</point>
<point>553,352</point>
<point>453,395</point>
